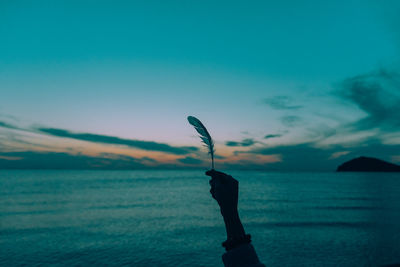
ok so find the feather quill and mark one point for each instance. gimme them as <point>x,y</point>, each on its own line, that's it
<point>204,135</point>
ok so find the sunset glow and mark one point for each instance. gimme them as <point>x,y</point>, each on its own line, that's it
<point>276,90</point>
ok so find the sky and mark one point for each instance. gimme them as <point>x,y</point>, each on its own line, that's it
<point>280,85</point>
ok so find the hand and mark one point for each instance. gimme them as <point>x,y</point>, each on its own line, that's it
<point>225,190</point>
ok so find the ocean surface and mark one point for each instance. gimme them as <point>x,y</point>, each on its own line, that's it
<point>168,218</point>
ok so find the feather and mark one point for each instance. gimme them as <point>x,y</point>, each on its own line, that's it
<point>204,135</point>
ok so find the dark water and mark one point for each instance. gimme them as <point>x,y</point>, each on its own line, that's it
<point>167,218</point>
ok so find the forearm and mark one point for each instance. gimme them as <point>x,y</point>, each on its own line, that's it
<point>239,251</point>
<point>233,225</point>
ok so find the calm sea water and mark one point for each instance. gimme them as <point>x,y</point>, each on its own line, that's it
<point>168,218</point>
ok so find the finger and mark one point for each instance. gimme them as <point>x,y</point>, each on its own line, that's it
<point>215,183</point>
<point>212,192</point>
<point>210,172</point>
<point>213,172</point>
<point>223,177</point>
<point>212,182</point>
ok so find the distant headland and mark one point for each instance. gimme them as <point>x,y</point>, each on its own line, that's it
<point>365,164</point>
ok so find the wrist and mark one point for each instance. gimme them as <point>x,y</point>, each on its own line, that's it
<point>232,243</point>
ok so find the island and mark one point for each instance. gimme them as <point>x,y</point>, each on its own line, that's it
<point>366,164</point>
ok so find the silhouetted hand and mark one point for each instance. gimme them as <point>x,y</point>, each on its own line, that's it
<point>225,190</point>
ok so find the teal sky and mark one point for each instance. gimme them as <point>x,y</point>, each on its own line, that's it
<point>276,83</point>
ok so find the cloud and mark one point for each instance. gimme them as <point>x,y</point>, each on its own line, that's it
<point>9,117</point>
<point>245,143</point>
<point>217,156</point>
<point>7,125</point>
<point>125,157</point>
<point>310,157</point>
<point>378,95</point>
<point>190,161</point>
<point>281,103</point>
<point>248,165</point>
<point>396,159</point>
<point>321,131</point>
<point>269,136</point>
<point>300,157</point>
<point>338,154</point>
<point>10,158</point>
<point>291,121</point>
<point>59,160</point>
<point>112,140</point>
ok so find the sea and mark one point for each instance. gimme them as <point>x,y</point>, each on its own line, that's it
<point>168,218</point>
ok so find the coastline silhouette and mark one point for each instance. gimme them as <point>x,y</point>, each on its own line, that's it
<point>367,164</point>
